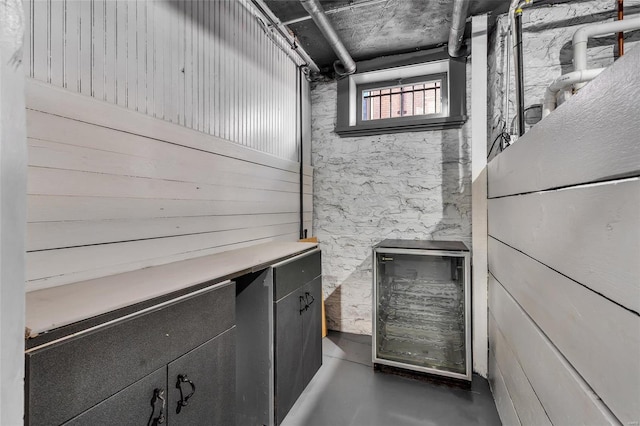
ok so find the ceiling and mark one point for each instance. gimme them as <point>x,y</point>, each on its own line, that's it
<point>372,28</point>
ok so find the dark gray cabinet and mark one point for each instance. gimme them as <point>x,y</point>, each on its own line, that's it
<point>312,331</point>
<point>288,353</point>
<point>201,375</point>
<point>209,372</point>
<point>297,328</point>
<point>109,375</point>
<point>134,405</point>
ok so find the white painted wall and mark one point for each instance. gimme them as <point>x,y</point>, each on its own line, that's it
<point>414,185</point>
<point>158,131</point>
<point>564,238</point>
<point>210,66</point>
<point>13,173</point>
<point>111,190</point>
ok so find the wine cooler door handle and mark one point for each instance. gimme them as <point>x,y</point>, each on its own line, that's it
<point>158,398</point>
<point>184,400</point>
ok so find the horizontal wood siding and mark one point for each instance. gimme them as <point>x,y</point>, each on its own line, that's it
<point>562,393</point>
<point>525,401</point>
<point>112,190</point>
<point>564,238</point>
<point>211,66</point>
<point>503,400</point>
<point>588,233</point>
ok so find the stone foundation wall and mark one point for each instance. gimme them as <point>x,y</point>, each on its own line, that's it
<point>417,185</point>
<point>547,52</point>
<point>413,185</point>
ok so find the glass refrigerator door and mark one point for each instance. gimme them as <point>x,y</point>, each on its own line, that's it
<point>420,318</point>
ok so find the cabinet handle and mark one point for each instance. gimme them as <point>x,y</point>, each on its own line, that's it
<point>303,302</point>
<point>308,295</point>
<point>184,400</point>
<point>158,395</point>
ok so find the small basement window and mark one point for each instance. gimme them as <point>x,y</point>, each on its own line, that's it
<point>414,92</point>
<point>412,98</point>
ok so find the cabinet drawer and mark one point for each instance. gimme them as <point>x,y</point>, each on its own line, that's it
<point>294,273</point>
<point>130,406</point>
<point>66,378</point>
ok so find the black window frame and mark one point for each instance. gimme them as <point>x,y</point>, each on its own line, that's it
<point>349,125</point>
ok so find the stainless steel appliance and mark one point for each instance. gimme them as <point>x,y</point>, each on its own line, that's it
<point>422,306</point>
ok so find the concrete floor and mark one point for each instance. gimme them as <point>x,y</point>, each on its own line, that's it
<point>347,392</point>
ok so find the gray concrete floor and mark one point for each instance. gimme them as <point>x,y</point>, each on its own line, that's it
<point>347,392</point>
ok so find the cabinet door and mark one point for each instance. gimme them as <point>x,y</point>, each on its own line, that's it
<point>288,353</point>
<point>68,378</point>
<point>137,404</point>
<point>312,330</point>
<point>209,375</point>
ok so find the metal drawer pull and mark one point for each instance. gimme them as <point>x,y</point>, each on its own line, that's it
<point>303,302</point>
<point>184,400</point>
<point>158,395</point>
<point>308,295</point>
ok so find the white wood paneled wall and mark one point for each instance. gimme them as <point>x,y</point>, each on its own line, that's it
<point>210,66</point>
<point>111,190</point>
<point>564,241</point>
<point>13,182</point>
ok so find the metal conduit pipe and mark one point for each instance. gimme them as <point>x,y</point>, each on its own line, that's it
<point>620,34</point>
<point>516,29</point>
<point>518,58</point>
<point>345,65</point>
<point>458,22</point>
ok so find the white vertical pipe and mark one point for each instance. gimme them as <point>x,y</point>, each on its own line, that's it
<point>13,189</point>
<point>479,230</point>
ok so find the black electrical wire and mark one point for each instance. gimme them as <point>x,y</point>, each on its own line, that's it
<point>506,140</point>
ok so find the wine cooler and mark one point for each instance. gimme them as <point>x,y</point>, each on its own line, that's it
<point>422,307</point>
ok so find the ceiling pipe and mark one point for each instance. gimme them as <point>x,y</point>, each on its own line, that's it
<point>350,7</point>
<point>458,22</point>
<point>345,65</point>
<point>284,33</point>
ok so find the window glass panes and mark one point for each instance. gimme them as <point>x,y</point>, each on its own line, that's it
<point>402,101</point>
